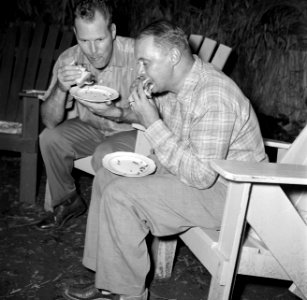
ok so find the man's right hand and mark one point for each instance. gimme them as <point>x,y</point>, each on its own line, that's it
<point>67,76</point>
<point>106,109</point>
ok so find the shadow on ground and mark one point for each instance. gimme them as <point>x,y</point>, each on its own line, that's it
<point>38,265</point>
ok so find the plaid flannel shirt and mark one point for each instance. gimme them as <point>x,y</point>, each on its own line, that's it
<point>208,119</point>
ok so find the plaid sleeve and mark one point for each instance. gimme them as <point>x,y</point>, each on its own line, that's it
<point>189,159</point>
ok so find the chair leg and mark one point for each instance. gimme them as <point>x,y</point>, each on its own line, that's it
<point>163,251</point>
<point>216,290</point>
<point>28,177</point>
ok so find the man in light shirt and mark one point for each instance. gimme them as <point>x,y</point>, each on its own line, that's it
<point>197,114</point>
<point>111,61</point>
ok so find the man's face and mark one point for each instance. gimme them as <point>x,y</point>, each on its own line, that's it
<point>154,63</point>
<point>96,39</point>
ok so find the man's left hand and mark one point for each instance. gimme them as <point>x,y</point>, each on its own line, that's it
<point>144,108</point>
<point>107,110</point>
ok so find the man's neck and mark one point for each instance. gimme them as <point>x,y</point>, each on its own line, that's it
<point>181,72</point>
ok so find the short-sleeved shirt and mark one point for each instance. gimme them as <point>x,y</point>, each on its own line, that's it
<point>210,118</point>
<point>118,74</point>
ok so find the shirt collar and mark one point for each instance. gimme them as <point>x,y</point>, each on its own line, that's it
<point>117,59</point>
<point>185,93</point>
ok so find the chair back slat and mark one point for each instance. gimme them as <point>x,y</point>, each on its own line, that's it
<point>220,56</point>
<point>47,58</point>
<point>13,108</point>
<point>297,154</point>
<point>67,40</point>
<point>195,41</point>
<point>34,56</point>
<point>206,50</point>
<point>209,50</point>
<point>7,69</point>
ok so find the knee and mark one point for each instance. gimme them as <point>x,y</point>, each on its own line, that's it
<point>107,189</point>
<point>99,153</point>
<point>49,138</point>
<point>115,193</point>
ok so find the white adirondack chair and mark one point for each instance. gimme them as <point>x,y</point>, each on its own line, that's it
<point>256,196</point>
<point>277,246</point>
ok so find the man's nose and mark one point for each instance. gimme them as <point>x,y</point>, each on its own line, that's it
<point>93,47</point>
<point>141,70</point>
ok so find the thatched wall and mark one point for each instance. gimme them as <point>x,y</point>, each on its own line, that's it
<point>280,87</point>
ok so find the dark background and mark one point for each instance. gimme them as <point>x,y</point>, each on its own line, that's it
<point>268,37</point>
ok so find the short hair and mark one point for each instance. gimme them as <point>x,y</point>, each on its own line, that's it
<point>166,34</point>
<point>85,9</point>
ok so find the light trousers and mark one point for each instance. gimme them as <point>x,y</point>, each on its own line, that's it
<point>71,140</point>
<point>123,211</point>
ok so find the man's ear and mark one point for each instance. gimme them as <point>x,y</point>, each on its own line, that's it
<point>175,55</point>
<point>113,31</point>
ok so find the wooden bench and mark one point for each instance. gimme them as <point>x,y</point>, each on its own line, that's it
<point>29,53</point>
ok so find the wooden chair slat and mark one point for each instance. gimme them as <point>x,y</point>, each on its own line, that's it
<point>6,70</point>
<point>14,109</point>
<point>47,58</point>
<point>34,56</point>
<point>66,41</point>
<point>220,56</point>
<point>207,48</point>
<point>195,40</point>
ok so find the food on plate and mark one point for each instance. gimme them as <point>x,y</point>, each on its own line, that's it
<point>132,166</point>
<point>85,75</point>
<point>95,95</point>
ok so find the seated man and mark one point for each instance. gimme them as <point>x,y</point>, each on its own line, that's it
<point>197,114</point>
<point>111,61</point>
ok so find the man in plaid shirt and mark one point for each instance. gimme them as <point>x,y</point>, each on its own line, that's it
<point>197,114</point>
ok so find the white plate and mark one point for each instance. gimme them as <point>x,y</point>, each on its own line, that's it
<point>128,164</point>
<point>94,93</point>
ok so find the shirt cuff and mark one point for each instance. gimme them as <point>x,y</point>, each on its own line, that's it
<point>157,133</point>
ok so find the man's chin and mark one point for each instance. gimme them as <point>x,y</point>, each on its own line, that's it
<point>98,65</point>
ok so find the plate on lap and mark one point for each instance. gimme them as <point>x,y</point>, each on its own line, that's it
<point>128,164</point>
<point>94,93</point>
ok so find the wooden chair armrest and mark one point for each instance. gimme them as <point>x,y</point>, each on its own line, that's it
<point>32,93</point>
<point>262,172</point>
<point>276,144</point>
